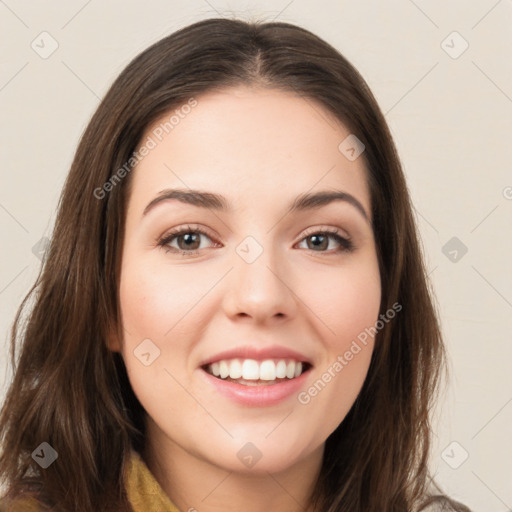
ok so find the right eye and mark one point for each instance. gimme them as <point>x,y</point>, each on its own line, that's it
<point>187,239</point>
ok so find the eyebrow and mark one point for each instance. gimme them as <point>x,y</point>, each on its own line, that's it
<point>303,202</point>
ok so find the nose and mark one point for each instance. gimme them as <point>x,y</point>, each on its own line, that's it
<point>261,289</point>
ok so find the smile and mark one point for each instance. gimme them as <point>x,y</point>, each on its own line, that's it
<point>250,372</point>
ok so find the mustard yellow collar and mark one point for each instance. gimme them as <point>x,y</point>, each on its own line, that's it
<point>144,492</point>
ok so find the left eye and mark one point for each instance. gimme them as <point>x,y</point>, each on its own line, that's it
<point>321,240</point>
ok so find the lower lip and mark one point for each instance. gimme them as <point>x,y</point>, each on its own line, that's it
<point>262,395</point>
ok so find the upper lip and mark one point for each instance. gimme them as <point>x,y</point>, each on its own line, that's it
<point>257,353</point>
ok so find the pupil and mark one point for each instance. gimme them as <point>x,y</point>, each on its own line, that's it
<point>189,237</point>
<point>316,237</point>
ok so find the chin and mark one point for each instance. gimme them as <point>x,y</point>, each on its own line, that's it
<point>261,456</point>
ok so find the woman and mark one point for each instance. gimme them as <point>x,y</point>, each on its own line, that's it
<point>291,363</point>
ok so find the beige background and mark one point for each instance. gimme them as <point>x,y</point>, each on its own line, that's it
<point>450,112</point>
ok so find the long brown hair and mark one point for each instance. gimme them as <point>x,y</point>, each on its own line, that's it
<point>71,391</point>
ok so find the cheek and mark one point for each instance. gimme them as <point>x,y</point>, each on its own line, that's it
<point>347,302</point>
<point>357,309</point>
<point>153,300</point>
<point>154,305</point>
<point>348,305</point>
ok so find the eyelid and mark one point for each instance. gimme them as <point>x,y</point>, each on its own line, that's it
<point>325,229</point>
<point>332,232</point>
<point>185,228</point>
<point>209,233</point>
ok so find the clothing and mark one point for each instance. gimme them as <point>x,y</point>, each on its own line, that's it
<point>144,492</point>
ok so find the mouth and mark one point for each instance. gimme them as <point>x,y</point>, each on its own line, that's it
<point>252,372</point>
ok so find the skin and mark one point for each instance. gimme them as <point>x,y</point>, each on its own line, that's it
<point>260,148</point>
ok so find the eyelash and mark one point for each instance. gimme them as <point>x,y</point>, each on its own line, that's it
<point>345,243</point>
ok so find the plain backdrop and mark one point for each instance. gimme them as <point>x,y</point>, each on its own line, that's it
<point>442,74</point>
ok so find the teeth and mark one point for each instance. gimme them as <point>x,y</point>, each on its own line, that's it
<point>224,369</point>
<point>290,370</point>
<point>235,369</point>
<point>268,370</point>
<point>281,369</point>
<point>252,370</point>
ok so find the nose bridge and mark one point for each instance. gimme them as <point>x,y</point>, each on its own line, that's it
<point>258,286</point>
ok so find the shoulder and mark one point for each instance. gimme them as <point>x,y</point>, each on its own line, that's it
<point>436,500</point>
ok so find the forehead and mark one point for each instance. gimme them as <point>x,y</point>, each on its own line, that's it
<point>250,144</point>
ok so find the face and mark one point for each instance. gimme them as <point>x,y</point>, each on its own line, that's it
<point>242,285</point>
